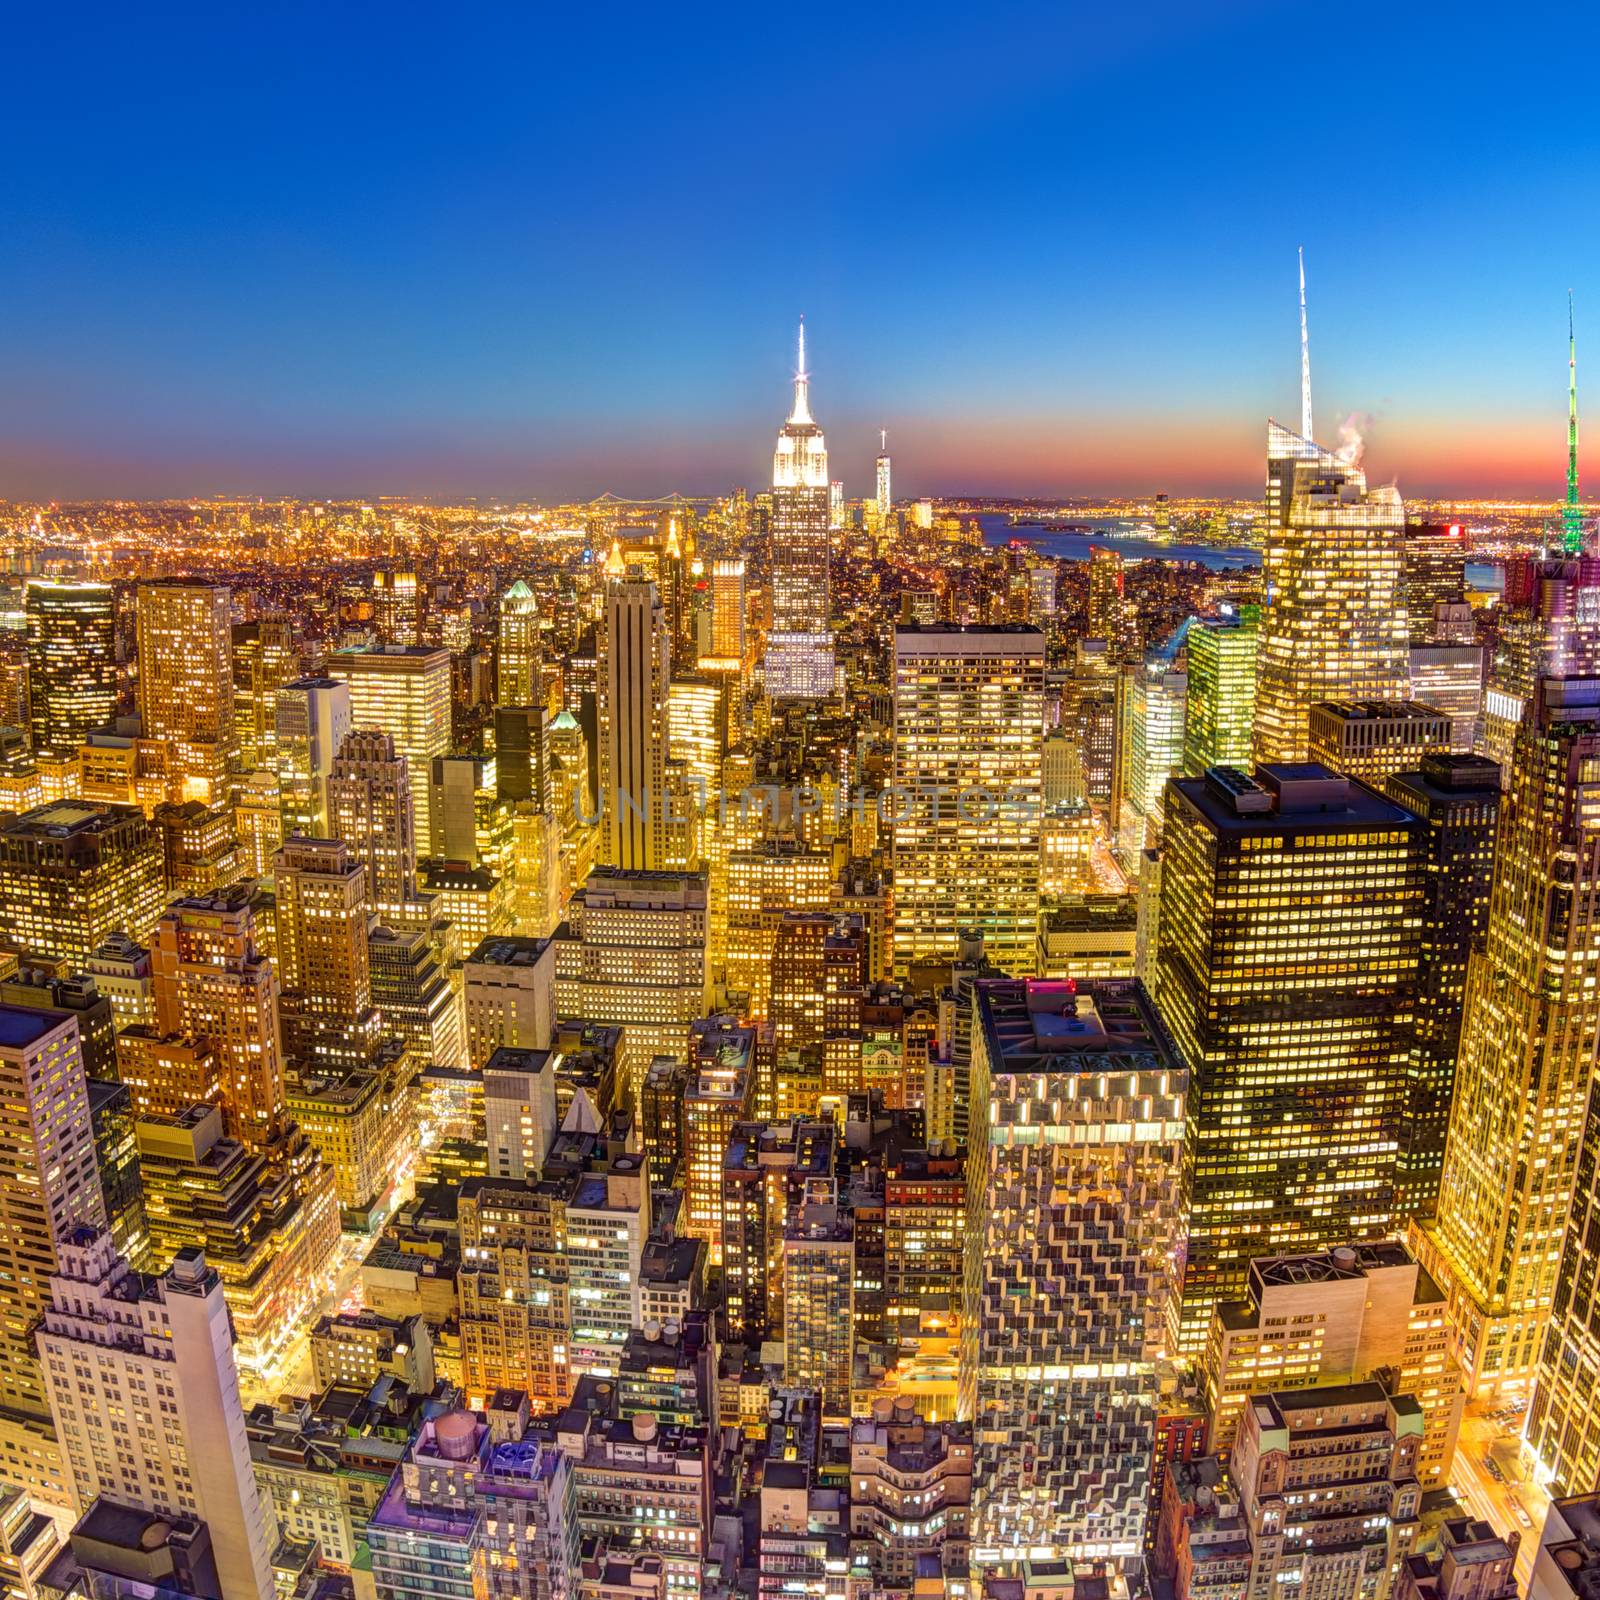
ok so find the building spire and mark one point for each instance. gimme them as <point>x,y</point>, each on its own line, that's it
<point>802,379</point>
<point>883,441</point>
<point>1305,356</point>
<point>1571,516</point>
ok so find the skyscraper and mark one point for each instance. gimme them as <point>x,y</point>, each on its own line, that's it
<point>1108,617</point>
<point>322,920</point>
<point>1157,698</point>
<point>517,674</point>
<point>966,803</point>
<point>1529,1035</point>
<point>313,718</point>
<point>728,610</point>
<point>1334,624</point>
<point>49,1182</point>
<point>1219,714</point>
<point>370,808</point>
<point>394,606</point>
<point>635,667</point>
<point>1073,1239</point>
<point>1572,512</point>
<point>885,500</point>
<point>799,659</point>
<point>264,659</point>
<point>145,1395</point>
<point>405,690</point>
<point>72,664</point>
<point>186,679</point>
<point>1288,941</point>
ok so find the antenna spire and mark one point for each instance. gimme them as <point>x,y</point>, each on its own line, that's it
<point>883,440</point>
<point>1305,356</point>
<point>1571,516</point>
<point>802,401</point>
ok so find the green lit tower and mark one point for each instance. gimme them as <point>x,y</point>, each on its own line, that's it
<point>1572,517</point>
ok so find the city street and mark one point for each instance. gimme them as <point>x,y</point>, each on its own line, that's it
<point>1511,1502</point>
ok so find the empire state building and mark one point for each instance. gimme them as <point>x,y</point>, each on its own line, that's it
<point>799,659</point>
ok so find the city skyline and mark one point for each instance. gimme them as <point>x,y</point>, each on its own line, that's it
<point>1005,264</point>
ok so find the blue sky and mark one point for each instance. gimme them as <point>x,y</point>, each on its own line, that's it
<point>549,251</point>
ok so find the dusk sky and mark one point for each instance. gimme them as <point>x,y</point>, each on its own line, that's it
<point>547,251</point>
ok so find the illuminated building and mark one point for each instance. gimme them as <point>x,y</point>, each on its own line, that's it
<point>763,884</point>
<point>1458,799</point>
<point>313,721</point>
<point>49,1183</point>
<point>799,659</point>
<point>1108,618</point>
<point>165,1072</point>
<point>1355,1447</point>
<point>71,874</point>
<point>121,971</point>
<point>264,660</point>
<point>519,1112</point>
<point>370,808</point>
<point>1371,740</point>
<point>259,821</point>
<point>910,1493</point>
<point>608,1219</point>
<point>1066,852</point>
<point>1088,936</point>
<point>40,987</point>
<point>1156,700</point>
<point>697,732</point>
<point>418,1002</point>
<point>359,1128</point>
<point>145,1395</point>
<point>122,770</point>
<point>1219,715</point>
<point>1078,1102</point>
<point>517,676</point>
<point>1042,595</point>
<point>1529,1033</point>
<point>521,759</point>
<point>633,951</point>
<point>72,664</point>
<point>885,500</point>
<point>818,978</point>
<point>510,996</point>
<point>475,900</point>
<point>634,673</point>
<point>728,641</point>
<point>186,680</point>
<point>924,1233</point>
<point>1436,573</point>
<point>394,606</point>
<point>111,1118</point>
<point>968,723</point>
<point>211,982</point>
<point>1449,677</point>
<point>721,1056</point>
<point>819,1268</point>
<point>405,691</point>
<point>321,919</point>
<point>661,1117</point>
<point>1337,1316</point>
<point>359,1347</point>
<point>199,847</point>
<point>1334,623</point>
<point>1288,946</point>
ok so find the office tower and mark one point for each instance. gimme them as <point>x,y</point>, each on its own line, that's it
<point>1219,714</point>
<point>1353,1447</point>
<point>1371,740</point>
<point>264,659</point>
<point>322,919</point>
<point>362,1122</point>
<point>211,982</point>
<point>1449,677</point>
<point>519,1106</point>
<point>799,658</point>
<point>759,886</point>
<point>510,997</point>
<point>819,1269</point>
<point>199,844</point>
<point>924,1233</point>
<point>39,987</point>
<point>405,691</point>
<point>635,664</point>
<point>728,612</point>
<point>697,734</point>
<point>419,1004</point>
<point>165,1072</point>
<point>666,1081</point>
<point>1074,1235</point>
<point>1157,697</point>
<point>517,679</point>
<point>1042,605</point>
<point>394,606</point>
<point>1529,1033</point>
<point>1549,626</point>
<point>1458,799</point>
<point>186,680</point>
<point>968,724</point>
<point>721,1058</point>
<point>370,807</point>
<point>521,759</point>
<point>157,1423</point>
<point>885,500</point>
<point>267,1236</point>
<point>72,664</point>
<point>313,720</point>
<point>72,874</point>
<point>121,972</point>
<point>259,821</point>
<point>633,951</point>
<point>1288,945</point>
<point>819,976</point>
<point>1108,619</point>
<point>1345,1315</point>
<point>1088,936</point>
<point>49,1182</point>
<point>1436,573</point>
<point>607,1222</point>
<point>1334,625</point>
